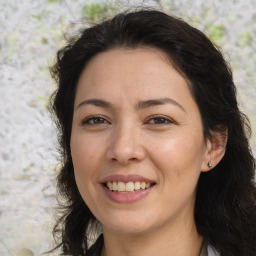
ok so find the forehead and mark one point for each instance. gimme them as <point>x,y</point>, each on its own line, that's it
<point>142,58</point>
<point>132,73</point>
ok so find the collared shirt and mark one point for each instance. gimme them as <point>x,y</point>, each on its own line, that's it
<point>95,249</point>
<point>207,250</point>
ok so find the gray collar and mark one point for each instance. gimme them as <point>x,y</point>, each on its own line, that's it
<point>203,251</point>
<point>207,250</point>
<point>211,251</point>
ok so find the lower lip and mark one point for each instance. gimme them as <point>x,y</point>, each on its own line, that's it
<point>128,197</point>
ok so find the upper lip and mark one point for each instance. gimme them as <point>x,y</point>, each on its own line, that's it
<point>126,178</point>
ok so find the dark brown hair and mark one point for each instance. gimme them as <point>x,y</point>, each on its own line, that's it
<point>225,211</point>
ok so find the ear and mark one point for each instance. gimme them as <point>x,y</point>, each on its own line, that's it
<point>215,150</point>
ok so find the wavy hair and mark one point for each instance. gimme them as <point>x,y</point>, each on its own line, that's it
<point>225,211</point>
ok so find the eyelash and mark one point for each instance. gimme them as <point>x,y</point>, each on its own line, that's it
<point>163,120</point>
<point>93,118</point>
<point>160,117</point>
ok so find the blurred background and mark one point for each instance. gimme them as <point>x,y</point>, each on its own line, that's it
<point>31,31</point>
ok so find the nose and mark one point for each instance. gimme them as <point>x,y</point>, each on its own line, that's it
<point>126,146</point>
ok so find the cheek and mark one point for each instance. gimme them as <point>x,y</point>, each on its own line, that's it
<point>85,157</point>
<point>84,161</point>
<point>179,156</point>
<point>84,152</point>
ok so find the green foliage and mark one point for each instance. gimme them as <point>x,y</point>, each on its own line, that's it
<point>216,33</point>
<point>40,16</point>
<point>97,11</point>
<point>54,1</point>
<point>245,40</point>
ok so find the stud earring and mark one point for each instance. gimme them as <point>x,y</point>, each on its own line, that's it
<point>209,164</point>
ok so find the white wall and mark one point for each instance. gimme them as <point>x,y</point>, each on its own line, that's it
<point>30,33</point>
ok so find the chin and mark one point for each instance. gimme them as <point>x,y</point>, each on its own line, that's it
<point>124,226</point>
<point>126,230</point>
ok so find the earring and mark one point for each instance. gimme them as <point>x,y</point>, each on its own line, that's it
<point>209,164</point>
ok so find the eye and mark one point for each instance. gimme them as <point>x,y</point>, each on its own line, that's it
<point>159,120</point>
<point>94,120</point>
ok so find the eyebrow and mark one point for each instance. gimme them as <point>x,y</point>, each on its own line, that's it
<point>155,102</point>
<point>139,106</point>
<point>95,102</point>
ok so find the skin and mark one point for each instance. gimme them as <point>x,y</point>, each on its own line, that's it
<point>162,142</point>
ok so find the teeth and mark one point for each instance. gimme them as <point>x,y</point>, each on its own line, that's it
<point>121,186</point>
<point>114,186</point>
<point>137,185</point>
<point>110,185</point>
<point>127,187</point>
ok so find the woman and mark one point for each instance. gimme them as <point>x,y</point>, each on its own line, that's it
<point>155,150</point>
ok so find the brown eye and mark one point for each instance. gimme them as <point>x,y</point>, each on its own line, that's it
<point>94,120</point>
<point>159,120</point>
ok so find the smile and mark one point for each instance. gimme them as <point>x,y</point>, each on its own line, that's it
<point>127,188</point>
<point>130,186</point>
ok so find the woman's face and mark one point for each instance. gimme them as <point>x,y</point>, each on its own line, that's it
<point>137,141</point>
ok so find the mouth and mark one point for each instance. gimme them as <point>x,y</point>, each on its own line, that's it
<point>128,187</point>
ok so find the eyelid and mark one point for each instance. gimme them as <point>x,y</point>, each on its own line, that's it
<point>87,119</point>
<point>170,120</point>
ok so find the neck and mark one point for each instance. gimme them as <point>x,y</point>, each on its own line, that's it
<point>167,241</point>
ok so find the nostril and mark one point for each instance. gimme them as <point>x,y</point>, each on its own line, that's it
<point>126,161</point>
<point>125,155</point>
